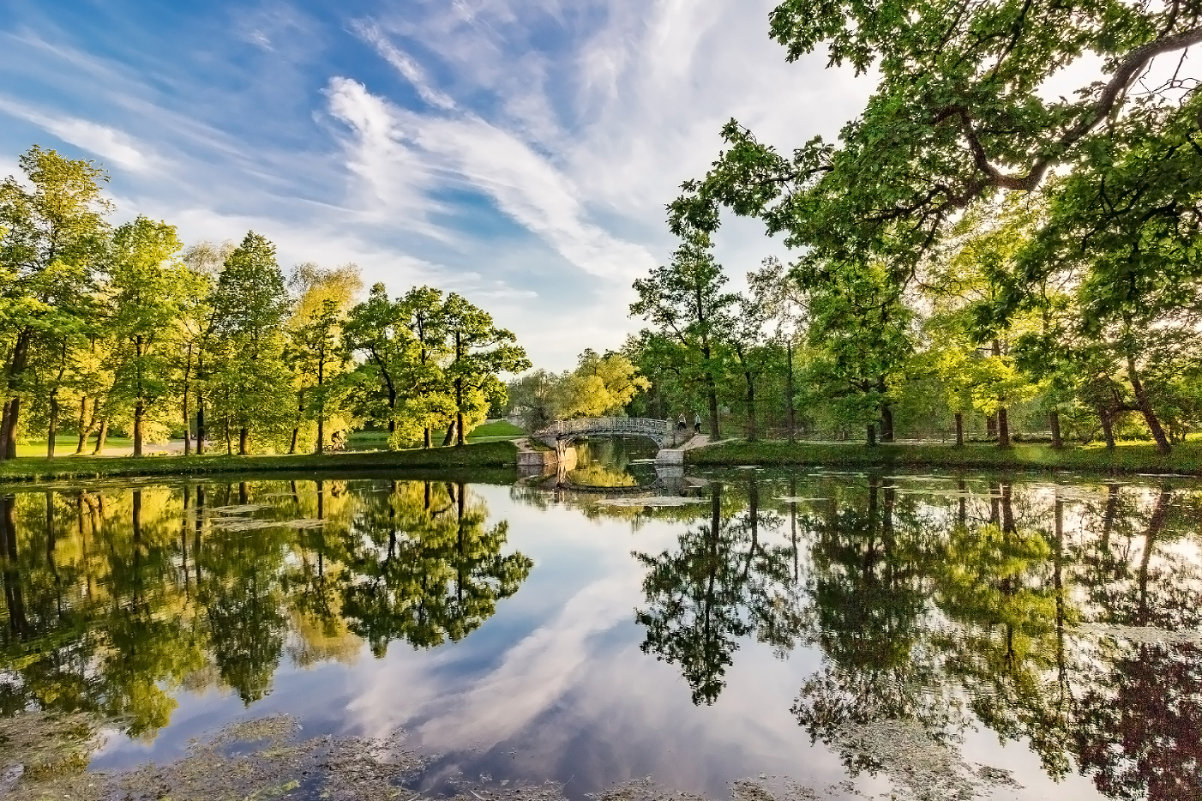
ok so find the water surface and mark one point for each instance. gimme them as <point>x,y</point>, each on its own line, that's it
<point>932,636</point>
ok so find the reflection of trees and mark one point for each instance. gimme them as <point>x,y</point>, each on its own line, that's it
<point>1000,585</point>
<point>115,599</point>
<point>1139,727</point>
<point>868,588</point>
<point>425,567</point>
<point>924,612</point>
<point>720,584</point>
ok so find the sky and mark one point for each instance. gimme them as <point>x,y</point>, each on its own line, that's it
<point>519,152</point>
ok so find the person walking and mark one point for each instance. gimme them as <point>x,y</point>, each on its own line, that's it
<point>681,425</point>
<point>696,422</point>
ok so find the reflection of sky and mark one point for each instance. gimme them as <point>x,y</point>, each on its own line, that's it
<point>555,686</point>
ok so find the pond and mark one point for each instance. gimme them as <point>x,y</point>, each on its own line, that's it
<point>805,634</point>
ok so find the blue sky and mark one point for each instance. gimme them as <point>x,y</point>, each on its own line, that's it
<point>519,152</point>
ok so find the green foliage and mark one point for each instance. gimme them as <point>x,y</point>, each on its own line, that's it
<point>601,385</point>
<point>687,306</point>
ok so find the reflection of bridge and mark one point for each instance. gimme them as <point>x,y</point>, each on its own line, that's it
<point>562,432</point>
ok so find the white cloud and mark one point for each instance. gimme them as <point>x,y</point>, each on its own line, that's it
<point>466,152</point>
<point>114,147</point>
<point>404,64</point>
<point>531,169</point>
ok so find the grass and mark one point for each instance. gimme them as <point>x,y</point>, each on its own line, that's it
<point>496,431</point>
<point>475,456</point>
<point>64,445</point>
<point>1126,458</point>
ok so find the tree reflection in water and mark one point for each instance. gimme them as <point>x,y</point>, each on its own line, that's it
<point>1009,609</point>
<point>720,584</point>
<point>116,599</point>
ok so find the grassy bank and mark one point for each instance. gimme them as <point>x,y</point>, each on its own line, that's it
<point>481,455</point>
<point>496,431</point>
<point>1134,458</point>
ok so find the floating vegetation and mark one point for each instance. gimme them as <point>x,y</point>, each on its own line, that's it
<point>253,524</point>
<point>255,759</point>
<point>654,501</point>
<point>919,764</point>
<point>50,751</point>
<point>238,509</point>
<point>1142,635</point>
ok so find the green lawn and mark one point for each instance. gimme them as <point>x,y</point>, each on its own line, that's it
<point>496,431</point>
<point>64,445</point>
<point>476,456</point>
<point>1126,458</point>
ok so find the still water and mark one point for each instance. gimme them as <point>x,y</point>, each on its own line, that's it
<point>932,636</point>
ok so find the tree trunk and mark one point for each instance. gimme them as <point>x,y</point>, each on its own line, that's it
<point>991,426</point>
<point>8,429</point>
<point>752,433</point>
<point>1107,427</point>
<point>886,423</point>
<point>959,429</point>
<point>101,436</point>
<point>1054,423</point>
<point>200,423</point>
<point>84,429</point>
<point>790,412</point>
<point>10,413</point>
<point>1003,427</point>
<point>450,437</point>
<point>321,404</point>
<point>184,404</point>
<point>459,438</point>
<point>426,443</point>
<point>229,443</point>
<point>871,435</point>
<point>300,412</point>
<point>243,441</point>
<point>1145,406</point>
<point>52,428</point>
<point>139,412</point>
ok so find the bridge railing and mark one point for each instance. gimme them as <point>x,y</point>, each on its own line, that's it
<point>659,430</point>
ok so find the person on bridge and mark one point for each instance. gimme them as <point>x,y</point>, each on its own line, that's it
<point>696,422</point>
<point>681,425</point>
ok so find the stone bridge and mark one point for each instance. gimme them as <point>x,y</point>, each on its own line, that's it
<point>562,432</point>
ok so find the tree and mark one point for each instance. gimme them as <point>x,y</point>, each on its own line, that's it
<point>323,298</point>
<point>600,385</point>
<point>480,353</point>
<point>955,116</point>
<point>51,234</point>
<point>783,305</point>
<point>422,308</point>
<point>249,304</point>
<point>204,261</point>
<point>685,302</point>
<point>859,336</point>
<point>147,289</point>
<point>1124,230</point>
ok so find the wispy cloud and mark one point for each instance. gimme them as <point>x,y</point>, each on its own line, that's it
<point>529,162</point>
<point>114,147</point>
<point>404,64</point>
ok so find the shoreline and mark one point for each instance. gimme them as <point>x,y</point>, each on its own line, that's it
<point>1185,460</point>
<point>484,455</point>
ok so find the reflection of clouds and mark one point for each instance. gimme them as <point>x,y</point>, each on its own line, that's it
<point>573,696</point>
<point>533,674</point>
<point>528,678</point>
